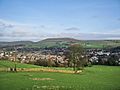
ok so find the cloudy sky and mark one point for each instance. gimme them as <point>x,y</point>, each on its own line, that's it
<point>35,20</point>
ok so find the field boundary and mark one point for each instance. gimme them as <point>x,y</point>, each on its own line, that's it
<point>37,70</point>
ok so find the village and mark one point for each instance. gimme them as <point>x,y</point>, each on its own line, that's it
<point>58,57</point>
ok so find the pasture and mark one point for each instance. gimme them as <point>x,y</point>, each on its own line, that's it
<point>93,78</point>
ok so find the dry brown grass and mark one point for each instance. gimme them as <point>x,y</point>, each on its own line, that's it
<point>40,69</point>
<point>42,79</point>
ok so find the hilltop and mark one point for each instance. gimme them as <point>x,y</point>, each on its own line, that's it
<point>62,42</point>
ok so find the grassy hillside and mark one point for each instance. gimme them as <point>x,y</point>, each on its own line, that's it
<point>93,78</point>
<point>64,42</point>
<point>15,43</point>
<point>53,42</point>
<point>8,64</point>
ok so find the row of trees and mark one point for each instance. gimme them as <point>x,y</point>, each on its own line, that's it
<point>76,56</point>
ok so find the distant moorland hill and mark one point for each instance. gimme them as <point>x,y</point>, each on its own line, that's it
<point>63,42</point>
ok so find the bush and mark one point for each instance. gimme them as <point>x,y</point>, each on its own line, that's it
<point>89,64</point>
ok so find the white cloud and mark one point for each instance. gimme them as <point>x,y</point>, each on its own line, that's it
<point>90,36</point>
<point>20,31</point>
<point>12,31</point>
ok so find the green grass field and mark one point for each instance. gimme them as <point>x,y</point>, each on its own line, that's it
<point>8,64</point>
<point>93,78</point>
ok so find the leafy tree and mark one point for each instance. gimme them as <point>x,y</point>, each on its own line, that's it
<point>41,62</point>
<point>113,60</point>
<point>77,56</point>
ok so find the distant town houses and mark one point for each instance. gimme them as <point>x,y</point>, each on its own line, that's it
<point>104,57</point>
<point>56,57</point>
<point>31,57</point>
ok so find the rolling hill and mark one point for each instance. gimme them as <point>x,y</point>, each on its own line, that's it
<point>63,42</point>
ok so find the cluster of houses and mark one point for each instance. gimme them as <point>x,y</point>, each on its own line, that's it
<point>104,57</point>
<point>33,58</point>
<point>95,56</point>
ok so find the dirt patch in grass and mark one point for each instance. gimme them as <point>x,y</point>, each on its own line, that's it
<point>37,87</point>
<point>42,79</point>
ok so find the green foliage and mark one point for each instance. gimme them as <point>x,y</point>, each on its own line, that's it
<point>113,60</point>
<point>77,54</point>
<point>89,64</point>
